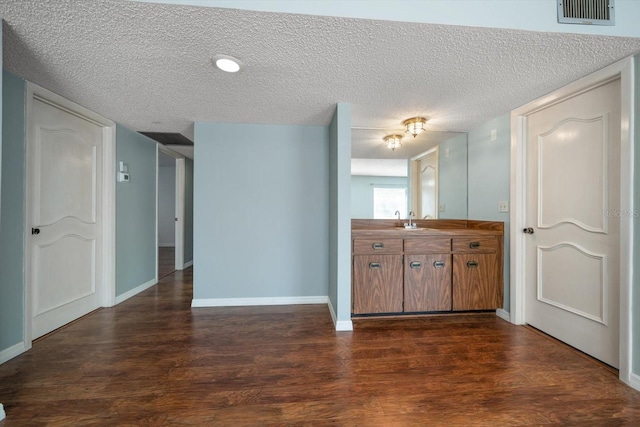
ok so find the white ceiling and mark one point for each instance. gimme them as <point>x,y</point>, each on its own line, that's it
<point>379,167</point>
<point>148,66</point>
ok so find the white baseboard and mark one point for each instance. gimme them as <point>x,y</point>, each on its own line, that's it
<point>233,302</point>
<point>13,351</point>
<point>187,264</point>
<point>136,291</point>
<point>341,325</point>
<point>504,315</point>
<point>634,381</point>
<point>344,326</point>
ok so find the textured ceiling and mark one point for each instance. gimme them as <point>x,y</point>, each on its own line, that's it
<point>148,66</point>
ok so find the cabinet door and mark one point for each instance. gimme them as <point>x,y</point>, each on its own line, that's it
<point>427,282</point>
<point>377,284</point>
<point>475,282</point>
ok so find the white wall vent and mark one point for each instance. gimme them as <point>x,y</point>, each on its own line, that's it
<point>586,12</point>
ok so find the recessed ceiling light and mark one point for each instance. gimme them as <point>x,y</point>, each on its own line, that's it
<point>227,63</point>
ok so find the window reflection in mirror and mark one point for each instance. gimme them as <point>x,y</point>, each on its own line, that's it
<point>389,200</point>
<point>446,181</point>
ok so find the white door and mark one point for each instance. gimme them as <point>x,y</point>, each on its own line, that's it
<point>65,215</point>
<point>428,185</point>
<point>573,205</point>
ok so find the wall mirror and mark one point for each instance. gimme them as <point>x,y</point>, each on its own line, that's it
<point>426,174</point>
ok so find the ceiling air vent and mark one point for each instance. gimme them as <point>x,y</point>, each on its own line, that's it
<point>586,12</point>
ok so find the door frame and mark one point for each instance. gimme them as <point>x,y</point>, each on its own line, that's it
<point>107,295</point>
<point>623,70</point>
<point>180,204</point>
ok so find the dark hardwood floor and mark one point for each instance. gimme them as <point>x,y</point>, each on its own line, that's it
<point>166,261</point>
<point>154,361</point>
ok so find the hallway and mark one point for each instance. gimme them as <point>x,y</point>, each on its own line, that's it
<point>153,360</point>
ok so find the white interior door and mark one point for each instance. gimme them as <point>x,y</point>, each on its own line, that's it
<point>65,215</point>
<point>573,212</point>
<point>428,186</point>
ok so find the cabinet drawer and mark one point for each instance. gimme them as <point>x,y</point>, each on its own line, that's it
<point>377,246</point>
<point>475,245</point>
<point>427,245</point>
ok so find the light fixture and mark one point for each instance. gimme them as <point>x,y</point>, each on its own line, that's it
<point>227,63</point>
<point>393,141</point>
<point>415,125</point>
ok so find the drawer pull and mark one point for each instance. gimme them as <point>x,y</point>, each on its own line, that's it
<point>378,246</point>
<point>373,265</point>
<point>474,245</point>
<point>472,264</point>
<point>438,264</point>
<point>415,264</point>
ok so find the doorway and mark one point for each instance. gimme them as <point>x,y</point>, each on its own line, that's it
<point>170,211</point>
<point>584,252</point>
<point>424,178</point>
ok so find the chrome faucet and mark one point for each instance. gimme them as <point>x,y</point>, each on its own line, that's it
<point>397,213</point>
<point>410,224</point>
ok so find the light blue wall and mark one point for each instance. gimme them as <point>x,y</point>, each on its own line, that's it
<point>530,15</point>
<point>452,177</point>
<point>1,78</point>
<point>135,211</point>
<point>489,178</point>
<point>362,192</point>
<point>339,215</point>
<point>635,312</point>
<point>188,211</point>
<point>13,215</point>
<point>261,225</point>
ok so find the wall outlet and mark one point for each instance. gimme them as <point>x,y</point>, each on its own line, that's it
<point>503,206</point>
<point>441,208</point>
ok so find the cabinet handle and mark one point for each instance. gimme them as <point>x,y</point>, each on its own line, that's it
<point>415,264</point>
<point>438,264</point>
<point>378,246</point>
<point>373,265</point>
<point>474,245</point>
<point>472,264</point>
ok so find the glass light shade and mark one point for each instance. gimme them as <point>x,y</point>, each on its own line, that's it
<point>393,141</point>
<point>415,125</point>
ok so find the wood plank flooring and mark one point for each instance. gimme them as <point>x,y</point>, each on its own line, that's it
<point>153,360</point>
<point>166,261</point>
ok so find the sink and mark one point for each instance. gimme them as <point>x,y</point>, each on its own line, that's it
<point>412,229</point>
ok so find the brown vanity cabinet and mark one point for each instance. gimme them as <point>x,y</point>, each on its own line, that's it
<point>377,276</point>
<point>427,282</point>
<point>475,272</point>
<point>426,272</point>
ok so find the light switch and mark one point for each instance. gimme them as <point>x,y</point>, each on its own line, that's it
<point>441,208</point>
<point>494,134</point>
<point>503,206</point>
